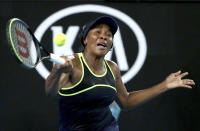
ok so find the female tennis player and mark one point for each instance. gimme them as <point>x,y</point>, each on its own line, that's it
<point>87,84</point>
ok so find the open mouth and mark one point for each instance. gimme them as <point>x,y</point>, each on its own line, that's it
<point>101,44</point>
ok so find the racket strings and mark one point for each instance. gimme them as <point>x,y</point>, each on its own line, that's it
<point>23,43</point>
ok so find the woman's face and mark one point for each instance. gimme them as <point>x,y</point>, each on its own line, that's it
<point>99,40</point>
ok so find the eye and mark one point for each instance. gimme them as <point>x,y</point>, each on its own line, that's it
<point>98,31</point>
<point>109,34</point>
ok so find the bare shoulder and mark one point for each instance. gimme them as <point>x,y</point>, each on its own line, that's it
<point>75,60</point>
<point>112,64</point>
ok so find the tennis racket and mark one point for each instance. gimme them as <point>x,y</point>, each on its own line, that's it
<point>25,47</point>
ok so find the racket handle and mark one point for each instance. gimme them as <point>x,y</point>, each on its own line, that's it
<point>57,59</point>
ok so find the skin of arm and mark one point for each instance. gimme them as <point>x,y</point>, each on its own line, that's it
<point>52,82</point>
<point>62,76</point>
<point>132,99</point>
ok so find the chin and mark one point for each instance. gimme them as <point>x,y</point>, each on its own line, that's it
<point>101,53</point>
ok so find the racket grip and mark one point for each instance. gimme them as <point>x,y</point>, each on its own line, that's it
<point>57,59</point>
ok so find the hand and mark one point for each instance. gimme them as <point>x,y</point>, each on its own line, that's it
<point>66,67</point>
<point>175,80</point>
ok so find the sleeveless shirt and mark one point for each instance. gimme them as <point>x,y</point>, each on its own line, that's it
<point>85,105</point>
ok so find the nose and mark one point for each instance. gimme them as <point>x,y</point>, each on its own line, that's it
<point>103,36</point>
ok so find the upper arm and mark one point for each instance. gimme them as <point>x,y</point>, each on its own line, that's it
<point>58,78</point>
<point>55,81</point>
<point>122,93</point>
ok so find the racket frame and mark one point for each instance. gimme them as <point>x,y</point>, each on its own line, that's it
<point>37,44</point>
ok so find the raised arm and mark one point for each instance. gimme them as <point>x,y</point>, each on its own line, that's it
<point>135,98</point>
<point>58,77</point>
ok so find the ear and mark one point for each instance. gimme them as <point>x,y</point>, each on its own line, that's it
<point>85,42</point>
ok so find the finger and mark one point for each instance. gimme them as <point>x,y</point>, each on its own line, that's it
<point>64,57</point>
<point>177,73</point>
<point>193,82</point>
<point>64,65</point>
<point>187,86</point>
<point>185,81</point>
<point>70,62</point>
<point>57,66</point>
<point>67,61</point>
<point>183,74</point>
<point>188,82</point>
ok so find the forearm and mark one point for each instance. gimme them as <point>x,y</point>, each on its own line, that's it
<point>138,97</point>
<point>52,83</point>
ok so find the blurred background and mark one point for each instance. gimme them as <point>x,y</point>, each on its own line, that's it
<point>171,34</point>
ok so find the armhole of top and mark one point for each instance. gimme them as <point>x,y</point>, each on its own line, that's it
<point>110,70</point>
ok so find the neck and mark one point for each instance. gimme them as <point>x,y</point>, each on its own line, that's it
<point>94,62</point>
